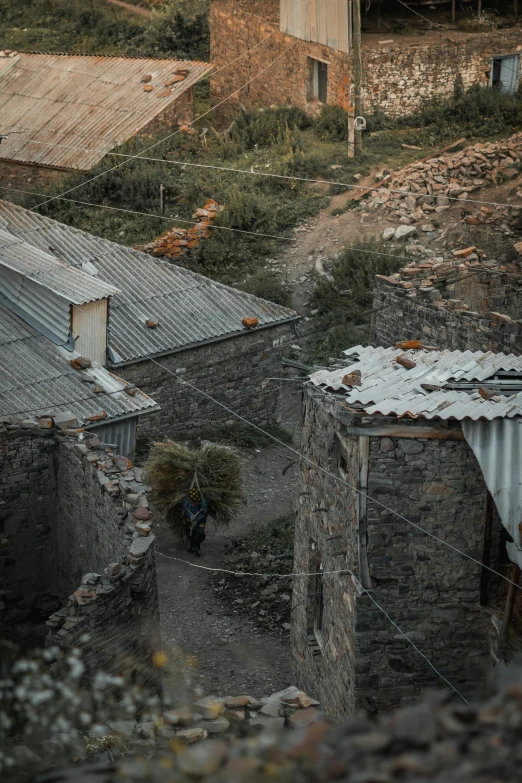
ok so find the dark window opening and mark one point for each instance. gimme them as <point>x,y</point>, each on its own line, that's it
<point>317,86</point>
<point>343,465</point>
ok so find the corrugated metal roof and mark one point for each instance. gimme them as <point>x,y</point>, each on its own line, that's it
<point>50,272</point>
<point>36,378</point>
<point>389,389</point>
<point>90,102</point>
<point>191,308</point>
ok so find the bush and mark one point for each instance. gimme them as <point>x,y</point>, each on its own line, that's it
<point>333,123</point>
<point>267,285</point>
<point>345,305</point>
<point>179,29</point>
<point>265,127</point>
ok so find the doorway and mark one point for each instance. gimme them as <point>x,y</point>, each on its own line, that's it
<point>504,73</point>
<point>317,81</point>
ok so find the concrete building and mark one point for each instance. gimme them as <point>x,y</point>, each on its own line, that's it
<point>305,53</point>
<point>412,440</point>
<point>64,113</point>
<point>147,310</point>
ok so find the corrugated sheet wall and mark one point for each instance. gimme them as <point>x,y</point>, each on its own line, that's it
<point>89,328</point>
<point>43,309</point>
<point>320,21</point>
<point>119,433</point>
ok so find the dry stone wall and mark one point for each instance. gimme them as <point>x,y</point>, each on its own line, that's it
<point>430,594</point>
<point>76,520</point>
<point>235,371</point>
<point>397,77</point>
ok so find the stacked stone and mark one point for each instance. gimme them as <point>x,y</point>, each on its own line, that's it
<point>427,188</point>
<point>179,241</point>
<point>226,717</point>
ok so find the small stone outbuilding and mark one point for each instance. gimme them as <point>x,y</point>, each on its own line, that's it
<point>397,442</point>
<point>155,324</point>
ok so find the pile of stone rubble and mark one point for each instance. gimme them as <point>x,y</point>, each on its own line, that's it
<point>179,241</point>
<point>422,190</point>
<point>226,717</point>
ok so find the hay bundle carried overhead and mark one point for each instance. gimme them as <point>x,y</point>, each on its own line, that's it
<point>172,470</point>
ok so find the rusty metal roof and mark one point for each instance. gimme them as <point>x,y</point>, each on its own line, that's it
<point>65,280</point>
<point>191,309</point>
<point>86,104</point>
<point>36,378</point>
<point>453,379</point>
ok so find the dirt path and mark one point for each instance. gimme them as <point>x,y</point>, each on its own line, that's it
<point>231,655</point>
<point>132,9</point>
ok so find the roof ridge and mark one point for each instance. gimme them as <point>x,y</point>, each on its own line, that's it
<point>104,54</point>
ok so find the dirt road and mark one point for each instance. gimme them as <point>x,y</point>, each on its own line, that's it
<point>228,653</point>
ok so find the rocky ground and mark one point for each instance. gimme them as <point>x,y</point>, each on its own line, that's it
<point>227,650</point>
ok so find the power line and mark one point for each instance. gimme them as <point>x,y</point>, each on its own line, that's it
<point>288,177</point>
<point>326,573</point>
<point>332,475</point>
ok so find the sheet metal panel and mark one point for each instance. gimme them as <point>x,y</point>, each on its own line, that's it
<point>36,378</point>
<point>321,21</point>
<point>122,433</point>
<point>89,330</point>
<point>50,272</point>
<point>89,102</point>
<point>497,446</point>
<point>191,308</point>
<point>387,388</point>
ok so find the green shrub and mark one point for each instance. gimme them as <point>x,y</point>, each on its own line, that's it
<point>180,28</point>
<point>267,285</point>
<point>345,304</point>
<point>333,123</point>
<point>266,127</point>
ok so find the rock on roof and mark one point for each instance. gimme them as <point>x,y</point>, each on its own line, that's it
<point>191,309</point>
<point>37,379</point>
<point>86,104</point>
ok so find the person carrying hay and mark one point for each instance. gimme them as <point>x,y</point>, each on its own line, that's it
<point>195,512</point>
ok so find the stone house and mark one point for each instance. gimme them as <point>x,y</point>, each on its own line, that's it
<point>412,441</point>
<point>155,324</point>
<point>307,51</point>
<point>464,303</point>
<point>64,113</point>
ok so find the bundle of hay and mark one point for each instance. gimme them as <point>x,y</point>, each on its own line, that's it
<point>172,468</point>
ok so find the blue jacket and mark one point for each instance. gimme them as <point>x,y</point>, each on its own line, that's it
<point>195,515</point>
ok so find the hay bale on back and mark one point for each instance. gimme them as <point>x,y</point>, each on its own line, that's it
<point>171,470</point>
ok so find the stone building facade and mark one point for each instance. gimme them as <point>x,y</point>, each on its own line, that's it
<point>456,305</point>
<point>241,373</point>
<point>381,490</point>
<point>398,74</point>
<point>76,551</point>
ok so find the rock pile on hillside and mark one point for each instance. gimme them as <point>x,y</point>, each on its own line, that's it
<point>178,241</point>
<point>429,188</point>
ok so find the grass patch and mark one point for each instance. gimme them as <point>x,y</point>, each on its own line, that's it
<point>247,437</point>
<point>268,285</point>
<point>344,318</point>
<point>276,538</point>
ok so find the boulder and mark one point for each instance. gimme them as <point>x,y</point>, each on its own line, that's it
<point>210,707</point>
<point>404,232</point>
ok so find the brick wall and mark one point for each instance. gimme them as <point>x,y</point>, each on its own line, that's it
<point>400,316</point>
<point>397,77</point>
<point>430,593</point>
<point>76,520</point>
<point>235,371</point>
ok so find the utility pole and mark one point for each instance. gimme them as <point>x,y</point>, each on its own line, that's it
<point>357,71</point>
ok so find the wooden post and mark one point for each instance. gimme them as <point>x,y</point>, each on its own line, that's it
<point>362,510</point>
<point>515,10</point>
<point>453,12</point>
<point>514,575</point>
<point>357,70</point>
<point>486,552</point>
<point>351,122</point>
<point>162,204</point>
<point>379,14</point>
<point>479,7</point>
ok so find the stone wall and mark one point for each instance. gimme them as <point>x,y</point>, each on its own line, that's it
<point>397,77</point>
<point>397,316</point>
<point>76,521</point>
<point>28,480</point>
<point>26,177</point>
<point>181,112</point>
<point>430,593</point>
<point>234,371</point>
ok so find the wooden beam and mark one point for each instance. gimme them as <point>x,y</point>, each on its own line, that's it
<point>362,506</point>
<point>453,11</point>
<point>514,575</point>
<point>391,431</point>
<point>486,551</point>
<point>515,10</point>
